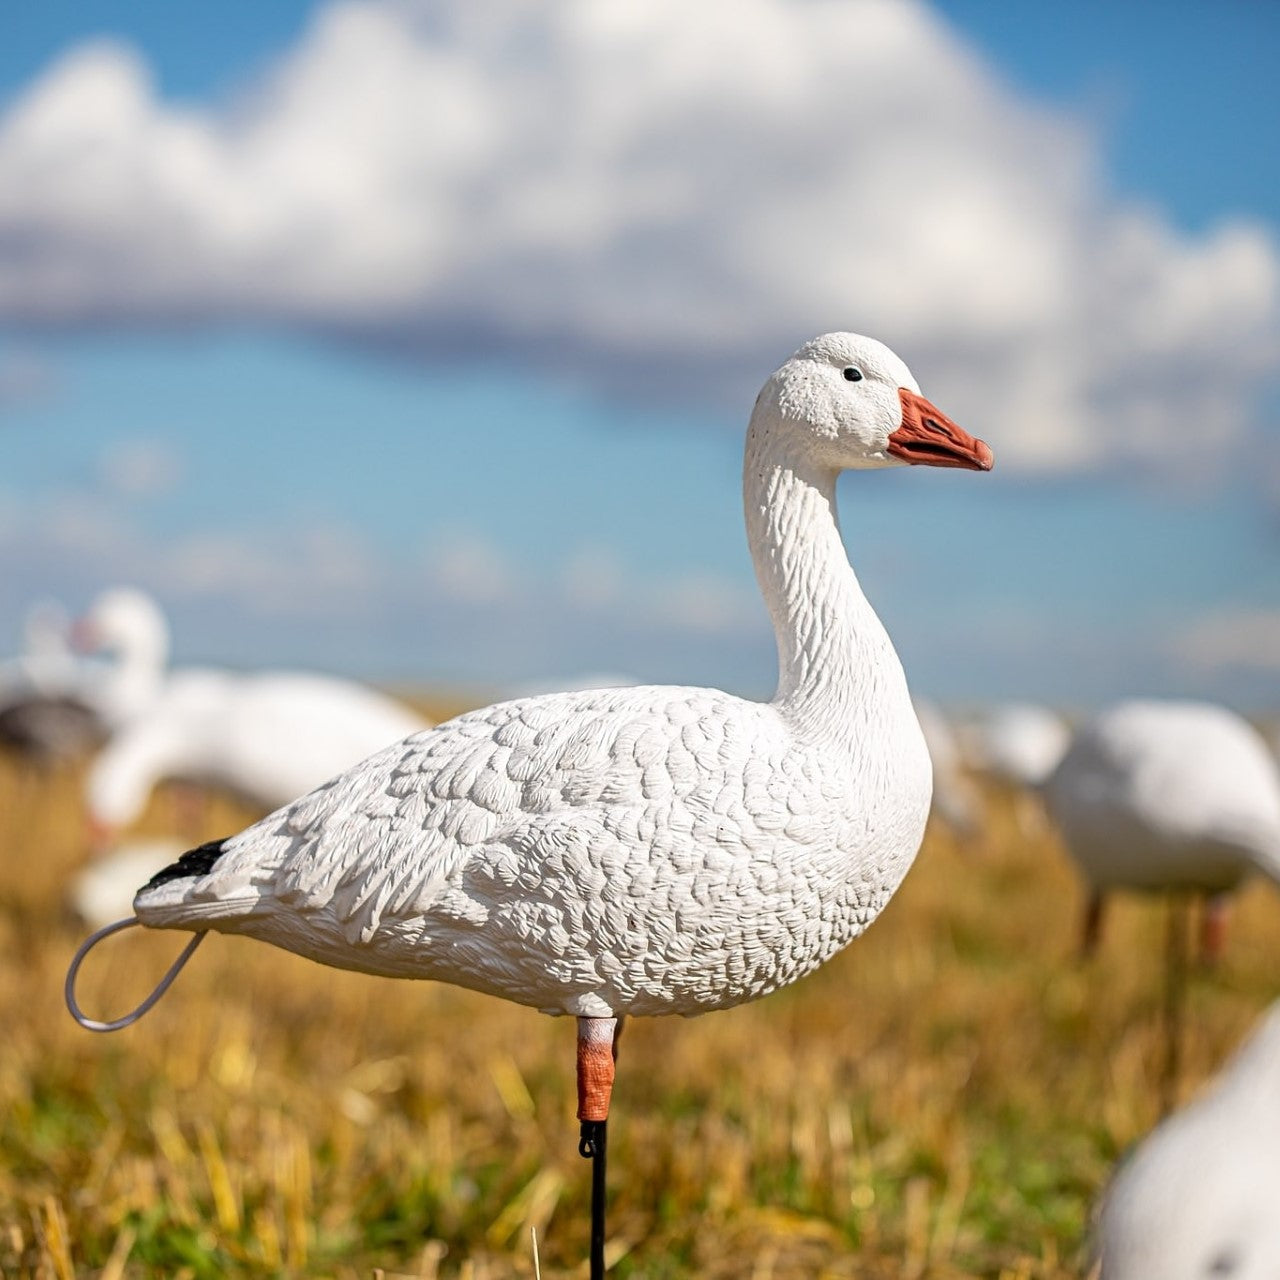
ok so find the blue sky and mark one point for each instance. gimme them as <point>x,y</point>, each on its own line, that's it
<point>426,391</point>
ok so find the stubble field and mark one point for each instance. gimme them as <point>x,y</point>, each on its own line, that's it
<point>943,1100</point>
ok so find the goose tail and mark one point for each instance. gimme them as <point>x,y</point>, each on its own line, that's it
<point>182,895</point>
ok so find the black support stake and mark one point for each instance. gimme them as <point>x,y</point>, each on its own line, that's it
<point>592,1145</point>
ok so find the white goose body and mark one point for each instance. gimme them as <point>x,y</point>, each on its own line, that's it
<point>1168,795</point>
<point>643,850</point>
<point>1197,1200</point>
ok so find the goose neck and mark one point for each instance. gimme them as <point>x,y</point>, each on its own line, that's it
<point>836,666</point>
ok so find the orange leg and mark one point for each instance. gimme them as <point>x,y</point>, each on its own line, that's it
<point>1215,914</point>
<point>1091,930</point>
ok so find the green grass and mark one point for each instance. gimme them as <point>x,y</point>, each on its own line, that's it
<point>945,1099</point>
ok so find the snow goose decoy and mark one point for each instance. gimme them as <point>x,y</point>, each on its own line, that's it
<point>1197,1199</point>
<point>1177,797</point>
<point>644,850</point>
<point>44,714</point>
<point>128,628</point>
<point>103,890</point>
<point>1018,745</point>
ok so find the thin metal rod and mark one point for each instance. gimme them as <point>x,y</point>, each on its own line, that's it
<point>69,987</point>
<point>593,1145</point>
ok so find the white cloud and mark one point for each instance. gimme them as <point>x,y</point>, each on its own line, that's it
<point>323,594</point>
<point>592,577</point>
<point>1248,638</point>
<point>708,604</point>
<point>468,567</point>
<point>651,194</point>
<point>140,468</point>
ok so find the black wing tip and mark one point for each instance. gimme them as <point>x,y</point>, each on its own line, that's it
<point>195,862</point>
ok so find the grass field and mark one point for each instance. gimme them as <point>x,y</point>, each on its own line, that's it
<point>943,1100</point>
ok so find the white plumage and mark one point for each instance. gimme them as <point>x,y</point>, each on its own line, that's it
<point>56,702</point>
<point>1018,743</point>
<point>44,712</point>
<point>47,663</point>
<point>1198,1198</point>
<point>102,891</point>
<point>129,631</point>
<point>265,736</point>
<point>641,850</point>
<point>1168,795</point>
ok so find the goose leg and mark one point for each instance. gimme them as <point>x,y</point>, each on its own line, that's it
<point>1213,928</point>
<point>597,1051</point>
<point>1091,928</point>
<point>190,803</point>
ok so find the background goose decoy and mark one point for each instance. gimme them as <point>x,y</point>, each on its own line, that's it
<point>45,714</point>
<point>1179,798</point>
<point>1017,745</point>
<point>128,634</point>
<point>1197,1200</point>
<point>265,737</point>
<point>1168,796</point>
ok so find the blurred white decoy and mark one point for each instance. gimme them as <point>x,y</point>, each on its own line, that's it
<point>1167,796</point>
<point>267,737</point>
<point>1018,743</point>
<point>127,629</point>
<point>103,890</point>
<point>47,663</point>
<point>44,713</point>
<point>645,850</point>
<point>1198,1199</point>
<point>955,799</point>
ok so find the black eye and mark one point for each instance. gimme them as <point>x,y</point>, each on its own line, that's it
<point>852,375</point>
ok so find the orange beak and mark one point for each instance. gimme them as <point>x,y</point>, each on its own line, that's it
<point>82,637</point>
<point>99,835</point>
<point>928,436</point>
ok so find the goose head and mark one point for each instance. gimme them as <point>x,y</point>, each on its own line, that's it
<point>851,404</point>
<point>126,623</point>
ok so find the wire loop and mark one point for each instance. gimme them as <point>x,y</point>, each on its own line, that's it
<point>69,987</point>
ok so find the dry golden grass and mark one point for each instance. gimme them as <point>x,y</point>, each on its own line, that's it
<point>943,1100</point>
